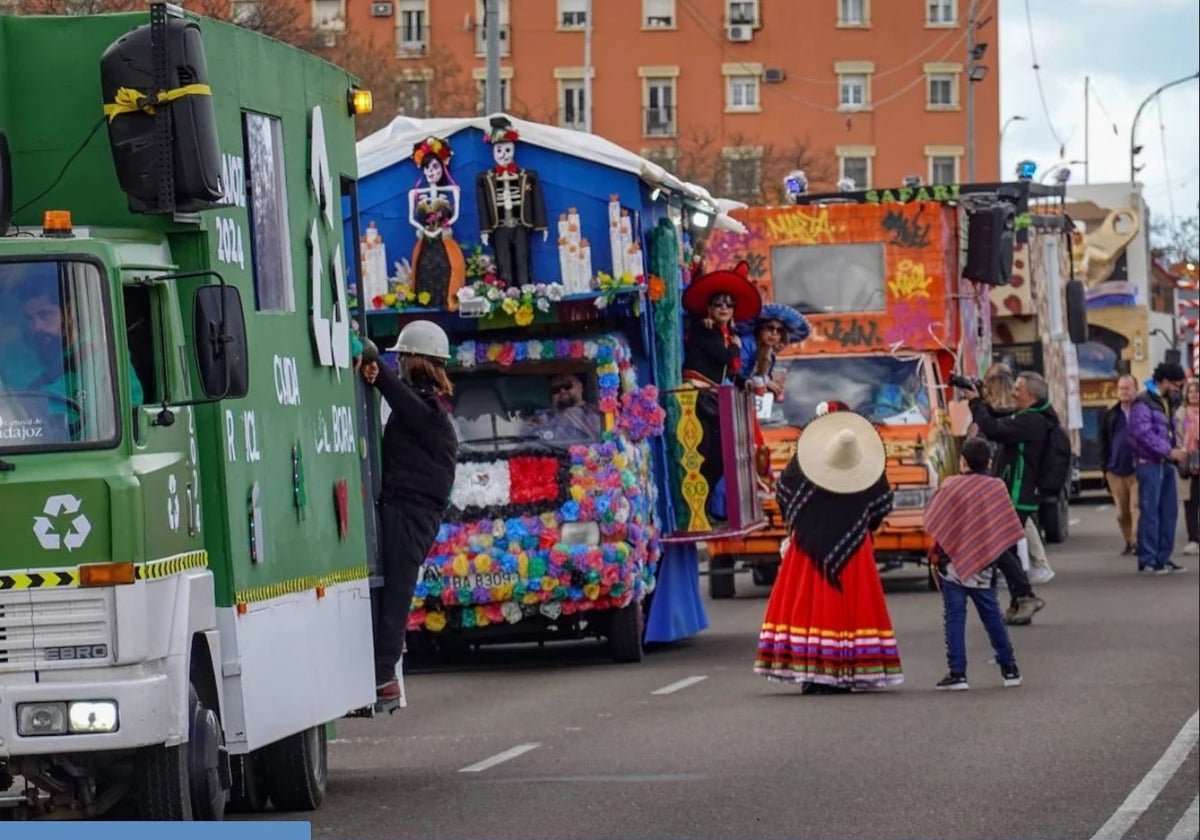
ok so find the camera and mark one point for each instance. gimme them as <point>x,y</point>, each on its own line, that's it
<point>965,383</point>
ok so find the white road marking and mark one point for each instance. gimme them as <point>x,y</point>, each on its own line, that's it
<point>1073,521</point>
<point>499,758</point>
<point>676,686</point>
<point>1148,789</point>
<point>1102,507</point>
<point>1188,827</point>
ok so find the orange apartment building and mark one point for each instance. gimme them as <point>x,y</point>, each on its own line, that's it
<point>731,93</point>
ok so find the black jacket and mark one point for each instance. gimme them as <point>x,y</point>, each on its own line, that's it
<point>1022,436</point>
<point>706,353</point>
<point>420,449</point>
<point>1108,430</point>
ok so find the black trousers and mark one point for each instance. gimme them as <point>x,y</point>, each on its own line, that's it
<point>407,535</point>
<point>1191,510</point>
<point>511,245</point>
<point>707,412</point>
<point>1009,565</point>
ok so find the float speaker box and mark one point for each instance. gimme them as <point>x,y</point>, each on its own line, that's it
<point>990,231</point>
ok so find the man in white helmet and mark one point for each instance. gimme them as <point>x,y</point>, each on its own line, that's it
<point>420,451</point>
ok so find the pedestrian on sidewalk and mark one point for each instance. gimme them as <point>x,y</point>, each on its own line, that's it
<point>827,626</point>
<point>1116,456</point>
<point>1156,451</point>
<point>1187,430</point>
<point>973,523</point>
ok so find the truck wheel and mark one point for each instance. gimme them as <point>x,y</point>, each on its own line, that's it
<point>1054,516</point>
<point>206,741</point>
<point>248,794</point>
<point>720,577</point>
<point>296,770</point>
<point>183,783</point>
<point>625,634</point>
<point>765,573</point>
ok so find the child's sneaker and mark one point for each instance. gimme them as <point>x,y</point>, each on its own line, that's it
<point>952,682</point>
<point>1012,676</point>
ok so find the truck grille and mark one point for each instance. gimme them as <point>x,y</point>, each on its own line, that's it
<point>43,628</point>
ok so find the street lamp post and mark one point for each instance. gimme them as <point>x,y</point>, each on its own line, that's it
<point>1133,147</point>
<point>1061,165</point>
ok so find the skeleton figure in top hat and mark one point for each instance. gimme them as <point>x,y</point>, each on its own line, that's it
<point>510,205</point>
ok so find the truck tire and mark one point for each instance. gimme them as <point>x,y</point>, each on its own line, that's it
<point>296,770</point>
<point>720,576</point>
<point>1054,516</point>
<point>625,633</point>
<point>206,742</point>
<point>183,782</point>
<point>248,795</point>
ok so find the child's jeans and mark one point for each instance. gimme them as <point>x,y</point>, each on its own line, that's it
<point>987,604</point>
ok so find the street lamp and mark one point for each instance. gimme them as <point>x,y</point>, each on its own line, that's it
<point>1061,167</point>
<point>1014,118</point>
<point>1133,147</point>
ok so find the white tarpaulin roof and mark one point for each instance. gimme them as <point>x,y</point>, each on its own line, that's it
<point>394,144</point>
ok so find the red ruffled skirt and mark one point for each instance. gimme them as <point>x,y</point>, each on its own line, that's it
<point>812,633</point>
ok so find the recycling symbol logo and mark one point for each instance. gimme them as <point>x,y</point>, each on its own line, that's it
<point>62,526</point>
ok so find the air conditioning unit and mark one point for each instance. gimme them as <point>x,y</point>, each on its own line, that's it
<point>740,33</point>
<point>774,75</point>
<point>381,10</point>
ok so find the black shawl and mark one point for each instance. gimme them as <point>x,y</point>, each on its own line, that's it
<point>829,527</point>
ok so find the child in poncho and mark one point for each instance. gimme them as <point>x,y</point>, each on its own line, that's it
<point>973,523</point>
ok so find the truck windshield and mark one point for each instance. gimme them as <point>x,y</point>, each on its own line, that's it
<point>522,405</point>
<point>56,380</point>
<point>883,389</point>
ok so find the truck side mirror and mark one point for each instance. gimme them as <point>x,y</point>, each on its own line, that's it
<point>127,77</point>
<point>1077,323</point>
<point>219,333</point>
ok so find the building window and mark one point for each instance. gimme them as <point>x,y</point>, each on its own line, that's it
<point>665,156</point>
<point>414,98</point>
<point>658,14</point>
<point>328,14</point>
<point>853,87</point>
<point>270,241</point>
<point>244,13</point>
<point>743,173</point>
<point>741,93</point>
<point>743,12</point>
<point>852,12</point>
<point>941,90</point>
<point>858,170</point>
<point>941,12</point>
<point>660,108</point>
<point>481,93</point>
<point>572,107</point>
<point>412,30</point>
<point>572,14</point>
<point>481,28</point>
<point>943,169</point>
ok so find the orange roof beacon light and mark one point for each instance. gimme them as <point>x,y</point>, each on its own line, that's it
<point>57,223</point>
<point>360,102</point>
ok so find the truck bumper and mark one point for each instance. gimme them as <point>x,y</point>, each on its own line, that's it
<point>144,714</point>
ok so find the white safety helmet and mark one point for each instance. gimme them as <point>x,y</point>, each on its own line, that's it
<point>423,338</point>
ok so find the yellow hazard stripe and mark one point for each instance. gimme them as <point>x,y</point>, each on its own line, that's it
<point>291,587</point>
<point>62,578</point>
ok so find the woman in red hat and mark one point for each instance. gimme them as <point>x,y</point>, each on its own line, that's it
<point>712,351</point>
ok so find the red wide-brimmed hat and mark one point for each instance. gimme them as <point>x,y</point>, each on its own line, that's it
<point>747,302</point>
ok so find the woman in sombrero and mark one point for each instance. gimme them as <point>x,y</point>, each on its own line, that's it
<point>762,338</point>
<point>827,626</point>
<point>713,351</point>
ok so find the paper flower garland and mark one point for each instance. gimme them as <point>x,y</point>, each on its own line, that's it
<point>502,553</point>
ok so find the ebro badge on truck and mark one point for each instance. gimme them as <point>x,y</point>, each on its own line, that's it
<point>184,586</point>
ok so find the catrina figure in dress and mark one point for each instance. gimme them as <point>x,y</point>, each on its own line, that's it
<point>438,267</point>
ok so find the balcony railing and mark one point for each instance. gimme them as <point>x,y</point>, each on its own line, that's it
<point>658,122</point>
<point>481,39</point>
<point>412,41</point>
<point>572,120</point>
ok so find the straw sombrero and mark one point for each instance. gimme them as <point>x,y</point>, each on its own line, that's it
<point>747,302</point>
<point>841,452</point>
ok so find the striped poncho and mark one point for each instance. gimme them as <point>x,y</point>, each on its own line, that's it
<point>972,519</point>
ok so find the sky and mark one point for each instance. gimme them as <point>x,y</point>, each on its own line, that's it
<point>1127,49</point>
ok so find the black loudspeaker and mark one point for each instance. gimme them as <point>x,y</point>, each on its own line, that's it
<point>990,232</point>
<point>128,64</point>
<point>1077,323</point>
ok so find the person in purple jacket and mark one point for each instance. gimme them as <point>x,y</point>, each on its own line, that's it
<point>1151,435</point>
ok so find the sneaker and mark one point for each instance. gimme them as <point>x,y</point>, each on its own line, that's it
<point>1192,548</point>
<point>1174,567</point>
<point>1146,571</point>
<point>387,692</point>
<point>1163,570</point>
<point>1042,574</point>
<point>1011,674</point>
<point>952,682</point>
<point>1026,607</point>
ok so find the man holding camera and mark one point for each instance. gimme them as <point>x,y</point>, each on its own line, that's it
<point>1022,437</point>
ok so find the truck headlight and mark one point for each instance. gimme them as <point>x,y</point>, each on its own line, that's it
<point>911,498</point>
<point>581,533</point>
<point>58,718</point>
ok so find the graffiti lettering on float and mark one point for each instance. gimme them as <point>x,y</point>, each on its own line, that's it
<point>801,226</point>
<point>757,263</point>
<point>910,281</point>
<point>852,332</point>
<point>906,231</point>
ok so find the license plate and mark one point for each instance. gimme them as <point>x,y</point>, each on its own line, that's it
<point>488,579</point>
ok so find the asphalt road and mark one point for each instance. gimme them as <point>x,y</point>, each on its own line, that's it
<point>558,743</point>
